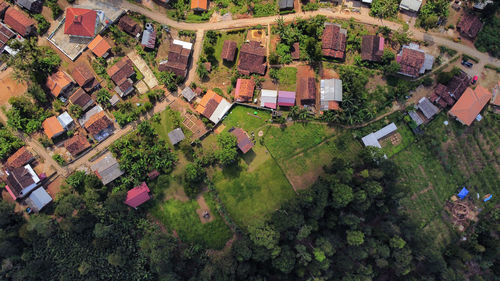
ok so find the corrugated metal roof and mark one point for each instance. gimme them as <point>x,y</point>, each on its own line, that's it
<point>38,199</point>
<point>176,136</point>
<point>414,115</point>
<point>65,119</point>
<point>427,108</point>
<point>220,111</point>
<point>412,5</point>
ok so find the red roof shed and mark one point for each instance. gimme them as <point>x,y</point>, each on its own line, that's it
<point>138,195</point>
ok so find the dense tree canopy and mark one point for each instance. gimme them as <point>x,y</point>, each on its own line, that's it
<point>24,115</point>
<point>488,40</point>
<point>8,142</point>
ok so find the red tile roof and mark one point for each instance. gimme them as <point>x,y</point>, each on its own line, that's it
<point>199,5</point>
<point>244,90</point>
<point>244,142</point>
<point>372,48</point>
<point>77,144</point>
<point>81,99</point>
<point>470,25</point>
<point>120,70</point>
<point>411,62</point>
<point>82,74</point>
<point>470,104</point>
<point>58,82</point>
<point>129,25</point>
<point>20,158</point>
<point>97,123</point>
<point>18,21</point>
<point>178,58</point>
<point>229,50</point>
<point>99,46</point>
<point>307,89</point>
<point>333,42</point>
<point>52,127</point>
<point>80,22</point>
<point>138,195</point>
<point>295,51</point>
<point>252,59</point>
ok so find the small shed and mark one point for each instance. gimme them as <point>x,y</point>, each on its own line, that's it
<point>330,91</point>
<point>427,108</point>
<point>286,4</point>
<point>416,118</point>
<point>188,94</point>
<point>138,195</point>
<point>176,136</point>
<point>268,98</point>
<point>463,193</point>
<point>38,199</point>
<point>114,100</point>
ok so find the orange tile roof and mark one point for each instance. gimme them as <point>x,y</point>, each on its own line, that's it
<point>57,82</point>
<point>206,98</point>
<point>99,46</point>
<point>52,127</point>
<point>496,95</point>
<point>470,104</point>
<point>199,4</point>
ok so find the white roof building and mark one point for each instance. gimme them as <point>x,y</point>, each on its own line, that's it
<point>38,199</point>
<point>330,90</point>
<point>185,45</point>
<point>372,138</point>
<point>65,120</point>
<point>96,109</point>
<point>220,111</point>
<point>410,5</point>
<point>268,98</point>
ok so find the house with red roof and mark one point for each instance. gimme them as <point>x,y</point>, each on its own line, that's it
<point>414,61</point>
<point>19,22</point>
<point>333,41</point>
<point>80,22</point>
<point>243,141</point>
<point>470,104</point>
<point>244,90</point>
<point>138,195</point>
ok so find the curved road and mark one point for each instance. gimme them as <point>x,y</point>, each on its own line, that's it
<point>433,37</point>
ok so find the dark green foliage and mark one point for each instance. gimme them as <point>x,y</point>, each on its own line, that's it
<point>194,176</point>
<point>54,7</point>
<point>75,110</point>
<point>103,98</point>
<point>59,159</point>
<point>43,24</point>
<point>126,113</point>
<point>445,77</point>
<point>8,142</point>
<point>227,153</point>
<point>141,152</point>
<point>431,12</point>
<point>169,79</point>
<point>37,93</point>
<point>488,40</point>
<point>384,8</point>
<point>264,10</point>
<point>24,115</point>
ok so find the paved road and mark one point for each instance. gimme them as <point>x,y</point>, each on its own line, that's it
<point>239,23</point>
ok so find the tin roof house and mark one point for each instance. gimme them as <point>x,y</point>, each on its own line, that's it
<point>330,94</point>
<point>414,61</point>
<point>21,181</point>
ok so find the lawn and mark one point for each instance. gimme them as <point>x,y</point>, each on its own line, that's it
<point>407,138</point>
<point>169,120</point>
<point>291,140</point>
<point>245,118</point>
<point>182,217</point>
<point>253,189</point>
<point>287,77</point>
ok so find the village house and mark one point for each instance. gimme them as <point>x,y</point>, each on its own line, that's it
<point>59,84</point>
<point>188,94</point>
<point>372,48</point>
<point>20,158</point>
<point>138,195</point>
<point>85,78</point>
<point>5,35</point>
<point>148,40</point>
<point>178,58</point>
<point>125,87</point>
<point>286,98</point>
<point>21,181</point>
<point>244,90</point>
<point>213,106</point>
<point>107,168</point>
<point>333,41</point>
<point>410,5</point>
<point>470,104</point>
<point>38,199</point>
<point>19,22</point>
<point>34,6</point>
<point>121,73</point>
<point>77,144</point>
<point>306,87</point>
<point>65,120</point>
<point>286,4</point>
<point>199,6</point>
<point>445,96</point>
<point>114,100</point>
<point>426,111</point>
<point>99,47</point>
<point>81,99</point>
<point>229,50</point>
<point>330,94</point>
<point>99,126</point>
<point>252,59</point>
<point>414,61</point>
<point>495,98</point>
<point>52,127</point>
<point>470,25</point>
<point>243,141</point>
<point>373,139</point>
<point>3,8</point>
<point>268,98</point>
<point>81,22</point>
<point>128,25</point>
<point>176,136</point>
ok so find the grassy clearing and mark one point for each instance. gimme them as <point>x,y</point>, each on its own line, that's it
<point>252,190</point>
<point>287,77</point>
<point>407,138</point>
<point>182,217</point>
<point>284,142</point>
<point>170,119</point>
<point>245,118</point>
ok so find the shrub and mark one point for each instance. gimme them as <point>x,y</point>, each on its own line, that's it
<point>59,159</point>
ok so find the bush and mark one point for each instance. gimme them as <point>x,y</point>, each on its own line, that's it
<point>43,24</point>
<point>427,81</point>
<point>488,39</point>
<point>264,10</point>
<point>45,141</point>
<point>59,159</point>
<point>384,8</point>
<point>54,7</point>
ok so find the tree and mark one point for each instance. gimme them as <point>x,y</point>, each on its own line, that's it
<point>387,56</point>
<point>194,176</point>
<point>168,79</point>
<point>227,153</point>
<point>384,8</point>
<point>342,195</point>
<point>285,262</point>
<point>24,115</point>
<point>392,68</point>
<point>355,238</point>
<point>103,98</point>
<point>8,142</point>
<point>202,70</point>
<point>37,93</point>
<point>265,236</point>
<point>75,110</point>
<point>488,40</point>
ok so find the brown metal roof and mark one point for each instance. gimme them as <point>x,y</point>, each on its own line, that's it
<point>229,50</point>
<point>20,158</point>
<point>77,144</point>
<point>252,59</point>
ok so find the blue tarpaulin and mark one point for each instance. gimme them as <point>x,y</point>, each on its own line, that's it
<point>463,193</point>
<point>487,198</point>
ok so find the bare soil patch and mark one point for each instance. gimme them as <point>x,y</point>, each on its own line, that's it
<point>10,87</point>
<point>55,186</point>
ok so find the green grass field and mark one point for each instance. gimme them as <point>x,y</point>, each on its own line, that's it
<point>170,120</point>
<point>407,138</point>
<point>244,117</point>
<point>182,217</point>
<point>287,77</point>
